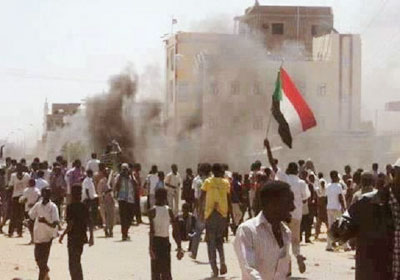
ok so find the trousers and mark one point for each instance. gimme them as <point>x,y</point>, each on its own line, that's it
<point>74,261</point>
<point>126,215</point>
<point>17,216</point>
<point>42,252</point>
<point>294,226</point>
<point>216,225</point>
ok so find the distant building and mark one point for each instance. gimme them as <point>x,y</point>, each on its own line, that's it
<point>58,113</point>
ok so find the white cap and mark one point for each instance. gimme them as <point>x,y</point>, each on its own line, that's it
<point>397,163</point>
<point>124,166</point>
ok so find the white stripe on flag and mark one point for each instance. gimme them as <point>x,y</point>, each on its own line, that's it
<point>291,115</point>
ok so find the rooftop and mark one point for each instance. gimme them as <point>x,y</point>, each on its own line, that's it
<point>290,10</point>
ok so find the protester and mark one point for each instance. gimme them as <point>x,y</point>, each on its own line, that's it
<point>236,196</point>
<point>161,180</point>
<point>150,185</point>
<point>267,232</point>
<point>336,204</point>
<point>173,182</point>
<point>107,204</point>
<point>203,172</point>
<point>125,189</point>
<point>19,181</point>
<point>161,217</point>
<point>347,173</point>
<point>74,176</point>
<point>375,172</point>
<point>322,201</point>
<point>45,214</point>
<point>216,193</point>
<point>186,222</point>
<point>41,183</point>
<point>309,209</point>
<point>374,221</point>
<point>7,201</point>
<point>31,196</point>
<point>93,163</point>
<point>89,196</point>
<point>187,191</point>
<point>58,187</point>
<point>136,176</point>
<point>111,157</point>
<point>367,185</point>
<point>78,223</point>
<point>301,194</point>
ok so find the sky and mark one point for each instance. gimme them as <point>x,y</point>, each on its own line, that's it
<point>66,50</point>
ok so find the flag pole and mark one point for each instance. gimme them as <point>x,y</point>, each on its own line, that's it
<point>270,115</point>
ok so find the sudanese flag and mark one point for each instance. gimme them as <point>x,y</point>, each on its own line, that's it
<point>289,109</point>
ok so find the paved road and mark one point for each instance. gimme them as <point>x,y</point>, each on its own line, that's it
<point>111,259</point>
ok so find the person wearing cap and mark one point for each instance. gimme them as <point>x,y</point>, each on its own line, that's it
<point>374,220</point>
<point>125,191</point>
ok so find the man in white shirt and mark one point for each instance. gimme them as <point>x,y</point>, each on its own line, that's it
<point>150,185</point>
<point>262,243</point>
<point>336,203</point>
<point>45,214</point>
<point>88,188</point>
<point>41,183</point>
<point>301,194</point>
<point>31,196</point>
<point>93,163</point>
<point>173,182</point>
<point>19,181</point>
<point>89,196</point>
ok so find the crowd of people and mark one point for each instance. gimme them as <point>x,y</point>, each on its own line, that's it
<point>267,209</point>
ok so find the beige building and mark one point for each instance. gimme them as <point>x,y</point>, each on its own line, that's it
<point>58,113</point>
<point>219,89</point>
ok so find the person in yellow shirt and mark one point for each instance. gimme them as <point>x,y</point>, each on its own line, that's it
<point>217,206</point>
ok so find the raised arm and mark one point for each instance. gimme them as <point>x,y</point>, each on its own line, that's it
<point>269,155</point>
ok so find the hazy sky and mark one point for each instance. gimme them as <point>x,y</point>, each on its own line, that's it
<point>65,50</point>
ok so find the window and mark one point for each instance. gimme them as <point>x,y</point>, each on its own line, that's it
<point>277,29</point>
<point>258,123</point>
<point>265,26</point>
<point>213,123</point>
<point>314,30</point>
<point>214,88</point>
<point>235,88</point>
<point>322,90</point>
<point>236,120</point>
<point>256,88</point>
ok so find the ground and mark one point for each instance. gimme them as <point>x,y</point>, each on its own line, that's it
<point>111,259</point>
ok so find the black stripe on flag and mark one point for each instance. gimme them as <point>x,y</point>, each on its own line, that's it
<point>284,129</point>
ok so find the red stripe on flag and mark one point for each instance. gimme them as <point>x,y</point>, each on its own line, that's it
<point>292,93</point>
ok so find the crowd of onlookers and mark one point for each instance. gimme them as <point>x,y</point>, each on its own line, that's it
<point>212,199</point>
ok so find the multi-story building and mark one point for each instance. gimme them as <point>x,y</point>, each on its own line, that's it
<point>58,113</point>
<point>219,88</point>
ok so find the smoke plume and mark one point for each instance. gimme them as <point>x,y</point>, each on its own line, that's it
<point>105,114</point>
